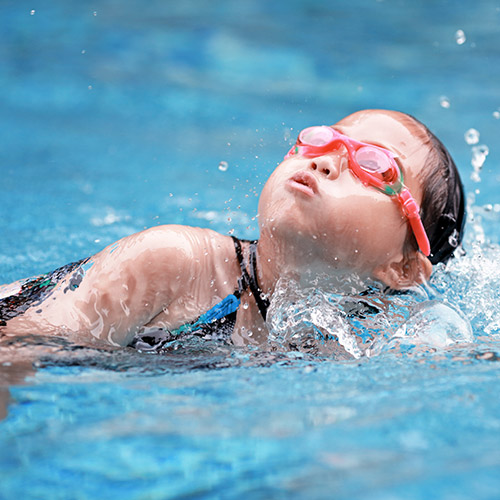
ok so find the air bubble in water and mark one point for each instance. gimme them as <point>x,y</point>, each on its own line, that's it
<point>32,12</point>
<point>496,114</point>
<point>471,136</point>
<point>460,37</point>
<point>444,102</point>
<point>223,166</point>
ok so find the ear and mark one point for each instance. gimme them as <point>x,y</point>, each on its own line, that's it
<point>409,271</point>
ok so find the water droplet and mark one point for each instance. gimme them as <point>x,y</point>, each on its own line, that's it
<point>90,87</point>
<point>223,166</point>
<point>460,37</point>
<point>231,231</point>
<point>471,136</point>
<point>32,12</point>
<point>245,305</point>
<point>496,114</point>
<point>479,154</point>
<point>444,102</point>
<point>83,51</point>
<point>94,13</point>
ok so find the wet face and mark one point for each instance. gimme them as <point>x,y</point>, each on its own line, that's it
<point>327,214</point>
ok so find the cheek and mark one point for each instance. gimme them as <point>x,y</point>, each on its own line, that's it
<point>274,197</point>
<point>365,230</point>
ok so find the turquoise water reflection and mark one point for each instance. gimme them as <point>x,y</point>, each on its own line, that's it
<point>115,116</point>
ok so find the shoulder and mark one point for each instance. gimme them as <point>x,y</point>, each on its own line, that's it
<point>175,239</point>
<point>167,249</point>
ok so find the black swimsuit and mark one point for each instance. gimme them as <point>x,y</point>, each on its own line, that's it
<point>35,290</point>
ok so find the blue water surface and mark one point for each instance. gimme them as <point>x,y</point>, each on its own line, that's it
<point>115,116</point>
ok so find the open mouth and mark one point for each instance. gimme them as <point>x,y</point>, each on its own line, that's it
<point>304,182</point>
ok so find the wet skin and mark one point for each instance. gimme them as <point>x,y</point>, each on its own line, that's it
<point>321,210</point>
<point>314,216</point>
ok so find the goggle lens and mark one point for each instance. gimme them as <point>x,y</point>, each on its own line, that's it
<point>373,160</point>
<point>316,136</point>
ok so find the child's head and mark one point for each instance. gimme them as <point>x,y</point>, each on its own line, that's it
<point>330,201</point>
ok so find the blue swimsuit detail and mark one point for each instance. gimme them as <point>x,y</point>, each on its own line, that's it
<point>218,322</point>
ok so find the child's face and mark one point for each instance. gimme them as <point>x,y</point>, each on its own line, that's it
<point>319,206</point>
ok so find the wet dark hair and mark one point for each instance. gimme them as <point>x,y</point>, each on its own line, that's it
<point>443,203</point>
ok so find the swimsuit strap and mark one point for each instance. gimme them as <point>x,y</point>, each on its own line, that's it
<point>250,280</point>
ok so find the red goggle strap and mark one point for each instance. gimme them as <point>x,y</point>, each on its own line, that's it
<point>412,212</point>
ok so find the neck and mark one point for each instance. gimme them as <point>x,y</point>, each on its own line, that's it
<point>281,258</point>
<point>277,258</point>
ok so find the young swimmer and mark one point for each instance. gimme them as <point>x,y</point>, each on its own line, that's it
<point>344,201</point>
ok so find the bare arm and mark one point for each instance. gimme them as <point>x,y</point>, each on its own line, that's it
<point>134,280</point>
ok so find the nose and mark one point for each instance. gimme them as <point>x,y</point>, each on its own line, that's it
<point>327,165</point>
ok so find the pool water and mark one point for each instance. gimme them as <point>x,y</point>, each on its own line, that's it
<point>116,116</point>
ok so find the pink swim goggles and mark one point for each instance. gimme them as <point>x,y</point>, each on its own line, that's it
<point>372,165</point>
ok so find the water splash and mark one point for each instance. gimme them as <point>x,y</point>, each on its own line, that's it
<point>363,323</point>
<point>430,324</point>
<point>472,284</point>
<point>309,320</point>
<point>460,305</point>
